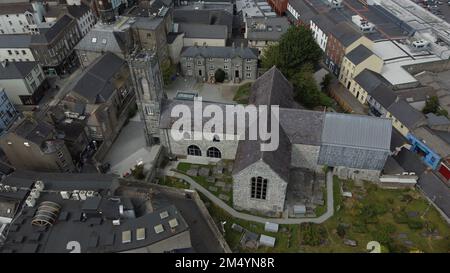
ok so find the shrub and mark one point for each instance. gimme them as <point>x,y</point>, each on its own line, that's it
<point>382,233</point>
<point>341,231</point>
<point>312,234</point>
<point>138,172</point>
<point>415,224</point>
<point>219,75</point>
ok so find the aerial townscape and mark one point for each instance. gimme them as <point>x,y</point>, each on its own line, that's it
<point>224,126</point>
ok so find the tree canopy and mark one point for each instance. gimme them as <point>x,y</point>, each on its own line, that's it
<point>296,48</point>
<point>296,54</point>
<point>432,106</point>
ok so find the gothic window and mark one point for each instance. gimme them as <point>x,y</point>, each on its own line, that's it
<point>213,152</point>
<point>216,138</point>
<point>259,188</point>
<point>194,150</point>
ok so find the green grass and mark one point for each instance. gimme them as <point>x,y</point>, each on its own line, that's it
<point>319,210</point>
<point>348,211</point>
<point>173,182</point>
<point>243,93</point>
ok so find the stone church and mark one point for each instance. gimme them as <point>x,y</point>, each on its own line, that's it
<point>355,146</point>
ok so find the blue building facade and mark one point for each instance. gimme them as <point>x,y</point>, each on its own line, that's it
<point>8,113</point>
<point>430,157</point>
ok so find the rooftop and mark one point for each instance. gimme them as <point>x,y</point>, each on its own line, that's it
<point>219,52</point>
<point>114,38</point>
<point>359,54</point>
<point>15,8</point>
<point>96,83</point>
<point>203,31</point>
<point>356,131</point>
<point>266,28</point>
<point>15,41</point>
<point>47,35</point>
<point>16,70</point>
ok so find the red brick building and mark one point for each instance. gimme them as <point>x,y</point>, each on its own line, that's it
<point>279,6</point>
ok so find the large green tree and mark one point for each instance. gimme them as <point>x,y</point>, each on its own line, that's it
<point>296,48</point>
<point>306,90</point>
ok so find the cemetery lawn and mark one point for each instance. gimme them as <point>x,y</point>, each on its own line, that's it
<point>173,182</point>
<point>219,191</point>
<point>401,220</point>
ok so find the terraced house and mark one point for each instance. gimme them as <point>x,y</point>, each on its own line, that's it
<point>53,48</point>
<point>239,63</point>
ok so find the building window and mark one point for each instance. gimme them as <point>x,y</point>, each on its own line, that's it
<point>259,188</point>
<point>194,150</point>
<point>216,138</point>
<point>213,152</point>
<point>211,67</point>
<point>248,68</point>
<point>225,67</point>
<point>9,52</point>
<point>248,75</point>
<point>199,62</point>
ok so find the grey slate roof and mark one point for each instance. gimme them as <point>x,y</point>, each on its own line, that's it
<point>16,70</point>
<point>436,190</point>
<point>279,26</point>
<point>302,126</point>
<point>203,31</point>
<point>377,87</point>
<point>369,80</point>
<point>406,114</point>
<point>272,88</point>
<point>47,35</point>
<point>219,52</point>
<point>15,40</point>
<point>117,41</point>
<point>249,152</point>
<point>345,33</point>
<point>357,131</point>
<point>323,23</point>
<point>78,11</point>
<point>359,54</point>
<point>95,84</point>
<point>383,95</point>
<point>434,120</point>
<point>206,17</point>
<point>15,8</point>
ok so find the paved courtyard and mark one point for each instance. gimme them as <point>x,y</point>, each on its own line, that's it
<point>223,93</point>
<point>129,148</point>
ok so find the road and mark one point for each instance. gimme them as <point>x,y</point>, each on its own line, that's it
<point>253,218</point>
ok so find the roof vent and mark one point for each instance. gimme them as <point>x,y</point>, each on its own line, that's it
<point>159,228</point>
<point>173,223</point>
<point>126,236</point>
<point>140,234</point>
<point>46,214</point>
<point>164,214</point>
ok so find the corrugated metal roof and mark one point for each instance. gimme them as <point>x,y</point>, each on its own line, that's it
<point>357,131</point>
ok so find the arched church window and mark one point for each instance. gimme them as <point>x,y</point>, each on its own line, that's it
<point>258,187</point>
<point>213,152</point>
<point>194,150</point>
